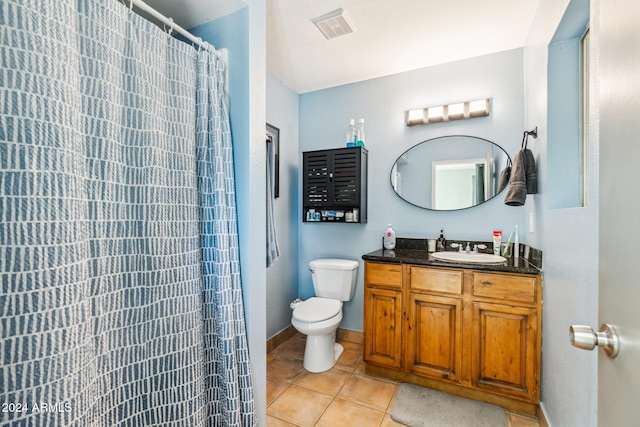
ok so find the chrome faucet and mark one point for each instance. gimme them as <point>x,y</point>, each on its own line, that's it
<point>468,248</point>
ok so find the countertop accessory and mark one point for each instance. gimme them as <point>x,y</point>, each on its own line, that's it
<point>497,241</point>
<point>441,244</point>
<point>389,240</point>
<point>507,248</point>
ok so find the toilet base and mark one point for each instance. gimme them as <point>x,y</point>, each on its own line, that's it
<point>321,352</point>
<point>337,350</point>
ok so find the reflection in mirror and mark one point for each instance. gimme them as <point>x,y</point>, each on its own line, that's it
<point>459,184</point>
<point>449,172</point>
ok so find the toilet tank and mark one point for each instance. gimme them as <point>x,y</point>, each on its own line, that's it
<point>334,278</point>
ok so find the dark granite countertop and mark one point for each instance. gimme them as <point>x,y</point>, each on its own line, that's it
<point>414,251</point>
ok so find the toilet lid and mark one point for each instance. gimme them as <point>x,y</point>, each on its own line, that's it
<point>317,309</point>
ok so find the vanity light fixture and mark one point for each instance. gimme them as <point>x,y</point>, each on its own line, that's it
<point>445,113</point>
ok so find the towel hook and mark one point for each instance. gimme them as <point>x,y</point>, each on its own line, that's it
<point>525,136</point>
<point>533,133</point>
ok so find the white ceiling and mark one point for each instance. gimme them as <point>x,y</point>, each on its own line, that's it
<point>191,13</point>
<point>390,36</point>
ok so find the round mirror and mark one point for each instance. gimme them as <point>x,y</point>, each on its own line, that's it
<point>449,172</point>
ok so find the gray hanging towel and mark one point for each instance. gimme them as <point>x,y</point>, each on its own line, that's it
<point>531,176</point>
<point>504,177</point>
<point>517,192</point>
<point>524,178</point>
<point>273,250</point>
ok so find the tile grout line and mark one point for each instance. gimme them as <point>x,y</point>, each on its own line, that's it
<point>333,398</point>
<point>351,372</point>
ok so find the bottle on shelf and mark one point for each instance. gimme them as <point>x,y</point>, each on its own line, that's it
<point>351,134</point>
<point>360,133</point>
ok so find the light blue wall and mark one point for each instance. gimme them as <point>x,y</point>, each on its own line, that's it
<point>243,33</point>
<point>282,276</point>
<point>568,237</point>
<point>563,150</point>
<point>324,116</point>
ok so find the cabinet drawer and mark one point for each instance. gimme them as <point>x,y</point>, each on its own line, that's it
<point>505,287</point>
<point>381,274</point>
<point>427,279</point>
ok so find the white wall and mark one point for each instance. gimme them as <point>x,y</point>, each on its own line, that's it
<point>324,116</point>
<point>282,276</point>
<point>254,238</point>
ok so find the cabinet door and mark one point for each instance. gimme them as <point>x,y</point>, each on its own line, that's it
<point>382,326</point>
<point>316,180</point>
<point>435,336</point>
<point>505,356</point>
<point>334,178</point>
<point>345,179</point>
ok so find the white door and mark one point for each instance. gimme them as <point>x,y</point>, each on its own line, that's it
<point>619,281</point>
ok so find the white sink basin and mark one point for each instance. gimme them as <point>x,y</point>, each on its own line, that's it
<point>469,257</point>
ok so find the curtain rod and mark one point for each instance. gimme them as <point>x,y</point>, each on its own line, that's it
<point>172,25</point>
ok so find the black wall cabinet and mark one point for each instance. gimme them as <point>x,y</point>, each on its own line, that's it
<point>334,185</point>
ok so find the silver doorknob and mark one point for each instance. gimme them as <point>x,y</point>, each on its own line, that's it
<point>585,337</point>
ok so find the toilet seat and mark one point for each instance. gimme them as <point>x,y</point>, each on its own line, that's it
<point>317,309</point>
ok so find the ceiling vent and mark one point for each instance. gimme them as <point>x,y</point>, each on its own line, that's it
<point>333,24</point>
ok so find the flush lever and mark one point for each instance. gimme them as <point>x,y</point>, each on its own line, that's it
<point>585,337</point>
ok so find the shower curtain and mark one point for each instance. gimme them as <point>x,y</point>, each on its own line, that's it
<point>120,294</point>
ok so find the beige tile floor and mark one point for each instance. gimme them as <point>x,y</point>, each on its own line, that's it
<point>343,396</point>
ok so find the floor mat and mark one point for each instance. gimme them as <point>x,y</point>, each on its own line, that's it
<point>417,406</point>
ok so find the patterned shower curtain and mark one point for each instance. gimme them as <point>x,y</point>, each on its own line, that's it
<point>120,294</point>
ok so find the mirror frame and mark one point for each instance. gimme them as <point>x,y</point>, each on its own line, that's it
<point>497,172</point>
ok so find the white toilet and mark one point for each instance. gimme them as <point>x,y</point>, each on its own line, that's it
<point>334,281</point>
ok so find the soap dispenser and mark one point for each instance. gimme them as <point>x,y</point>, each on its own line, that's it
<point>441,244</point>
<point>389,241</point>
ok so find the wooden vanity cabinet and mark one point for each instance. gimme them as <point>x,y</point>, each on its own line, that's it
<point>506,334</point>
<point>434,323</point>
<point>472,333</point>
<point>383,314</point>
<point>504,343</point>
